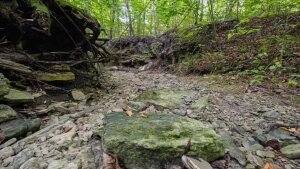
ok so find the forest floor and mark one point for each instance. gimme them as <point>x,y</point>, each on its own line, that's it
<point>242,115</point>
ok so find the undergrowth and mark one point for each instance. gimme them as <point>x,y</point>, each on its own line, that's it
<point>260,50</point>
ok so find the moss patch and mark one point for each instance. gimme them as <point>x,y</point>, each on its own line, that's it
<point>158,139</point>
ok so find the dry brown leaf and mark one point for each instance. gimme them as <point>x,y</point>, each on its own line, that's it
<point>126,107</point>
<point>110,162</point>
<point>143,115</point>
<point>271,166</point>
<point>129,113</point>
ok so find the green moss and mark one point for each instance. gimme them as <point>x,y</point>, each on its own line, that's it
<point>241,32</point>
<point>42,13</point>
<point>16,96</point>
<point>165,98</point>
<point>39,6</point>
<point>158,139</point>
<point>49,77</point>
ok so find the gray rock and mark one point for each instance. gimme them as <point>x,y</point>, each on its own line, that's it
<point>22,157</point>
<point>158,139</point>
<point>165,98</point>
<point>254,160</point>
<point>62,164</point>
<point>7,113</point>
<point>191,163</point>
<point>32,163</point>
<point>281,134</point>
<point>201,103</point>
<point>4,87</point>
<point>273,114</point>
<point>137,106</point>
<point>16,96</point>
<point>7,161</point>
<point>8,143</point>
<point>19,128</point>
<point>291,151</point>
<point>78,95</point>
<point>6,152</point>
<point>234,151</point>
<point>86,156</point>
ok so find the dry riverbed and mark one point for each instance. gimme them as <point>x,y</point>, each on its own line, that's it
<point>243,116</point>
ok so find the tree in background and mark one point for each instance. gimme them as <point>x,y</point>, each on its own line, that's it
<point>153,17</point>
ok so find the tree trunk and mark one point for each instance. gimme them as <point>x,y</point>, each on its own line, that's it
<point>130,24</point>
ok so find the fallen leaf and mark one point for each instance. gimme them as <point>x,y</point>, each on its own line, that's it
<point>126,107</point>
<point>143,115</point>
<point>67,129</point>
<point>271,166</point>
<point>129,113</point>
<point>110,162</point>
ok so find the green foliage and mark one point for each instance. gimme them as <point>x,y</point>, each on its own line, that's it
<point>292,83</point>
<point>257,80</point>
<point>150,17</point>
<point>240,31</point>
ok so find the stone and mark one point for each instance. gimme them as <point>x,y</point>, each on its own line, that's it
<point>7,113</point>
<point>158,139</point>
<point>86,156</point>
<point>195,163</point>
<point>78,95</point>
<point>137,106</point>
<point>53,77</point>
<point>254,160</point>
<point>250,166</point>
<point>267,154</point>
<point>281,134</point>
<point>4,87</point>
<point>57,164</point>
<point>32,163</point>
<point>58,107</point>
<point>85,135</point>
<point>20,127</point>
<point>291,151</point>
<point>6,152</point>
<point>22,157</point>
<point>8,143</point>
<point>16,97</point>
<point>165,98</point>
<point>273,114</point>
<point>62,164</point>
<point>201,103</point>
<point>65,137</point>
<point>234,152</point>
<point>7,161</point>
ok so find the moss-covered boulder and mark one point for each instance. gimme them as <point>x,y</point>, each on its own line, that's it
<point>166,98</point>
<point>157,140</point>
<point>16,96</point>
<point>7,113</point>
<point>4,88</point>
<point>20,127</point>
<point>53,77</point>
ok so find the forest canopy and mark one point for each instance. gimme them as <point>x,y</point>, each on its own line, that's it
<point>123,18</point>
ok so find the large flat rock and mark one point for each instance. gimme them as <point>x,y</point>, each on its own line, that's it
<point>16,96</point>
<point>157,140</point>
<point>166,98</point>
<point>20,127</point>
